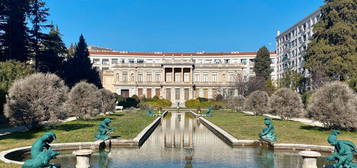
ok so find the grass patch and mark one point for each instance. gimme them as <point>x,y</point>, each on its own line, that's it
<point>243,126</point>
<point>126,126</point>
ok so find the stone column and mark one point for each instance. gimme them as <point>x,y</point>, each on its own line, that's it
<point>83,158</point>
<point>310,158</point>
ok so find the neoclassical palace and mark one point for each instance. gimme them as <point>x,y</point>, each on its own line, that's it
<point>173,76</point>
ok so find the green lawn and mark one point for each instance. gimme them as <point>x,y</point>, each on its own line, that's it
<point>126,126</point>
<point>244,126</point>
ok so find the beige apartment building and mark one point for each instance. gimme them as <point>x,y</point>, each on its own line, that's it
<point>174,76</point>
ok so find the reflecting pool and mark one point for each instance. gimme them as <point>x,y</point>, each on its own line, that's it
<point>181,141</point>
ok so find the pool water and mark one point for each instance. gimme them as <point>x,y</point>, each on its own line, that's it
<point>181,141</point>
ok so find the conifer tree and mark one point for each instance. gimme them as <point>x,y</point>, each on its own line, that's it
<point>38,15</point>
<point>262,63</point>
<point>332,53</point>
<point>53,54</point>
<point>14,40</point>
<point>79,66</point>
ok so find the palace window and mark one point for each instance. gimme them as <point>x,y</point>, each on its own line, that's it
<point>148,93</point>
<point>187,93</point>
<point>115,61</point>
<point>140,92</point>
<point>96,61</point>
<point>131,61</point>
<point>125,76</point>
<point>197,77</point>
<point>205,77</point>
<point>157,77</point>
<point>149,77</point>
<point>105,61</point>
<point>168,93</point>
<point>214,77</point>
<point>177,94</point>
<point>140,61</point>
<point>140,77</point>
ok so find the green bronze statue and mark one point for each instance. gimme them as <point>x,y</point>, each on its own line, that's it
<point>42,143</point>
<point>104,130</point>
<point>42,160</point>
<point>343,152</point>
<point>41,153</point>
<point>268,133</point>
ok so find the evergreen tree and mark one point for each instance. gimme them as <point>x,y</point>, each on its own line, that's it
<point>79,67</point>
<point>332,52</point>
<point>53,54</point>
<point>262,63</point>
<point>38,15</point>
<point>14,40</point>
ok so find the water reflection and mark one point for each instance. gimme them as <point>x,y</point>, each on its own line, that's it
<point>181,141</point>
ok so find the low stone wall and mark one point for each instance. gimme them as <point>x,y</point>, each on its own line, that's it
<point>136,142</point>
<point>232,141</point>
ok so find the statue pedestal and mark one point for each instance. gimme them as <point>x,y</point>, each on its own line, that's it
<point>83,158</point>
<point>310,158</point>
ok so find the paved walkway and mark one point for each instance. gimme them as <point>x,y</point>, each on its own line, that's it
<point>302,120</point>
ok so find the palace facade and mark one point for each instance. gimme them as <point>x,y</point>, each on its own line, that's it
<point>174,76</point>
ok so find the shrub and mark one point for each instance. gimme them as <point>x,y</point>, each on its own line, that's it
<point>193,103</point>
<point>197,104</point>
<point>235,103</point>
<point>258,102</point>
<point>130,102</point>
<point>83,101</point>
<point>286,103</point>
<point>36,98</point>
<point>155,103</point>
<point>9,72</point>
<point>335,105</point>
<point>107,100</point>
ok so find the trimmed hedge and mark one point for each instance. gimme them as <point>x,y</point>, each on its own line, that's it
<point>205,103</point>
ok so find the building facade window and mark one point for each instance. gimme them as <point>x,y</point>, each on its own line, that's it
<point>149,77</point>
<point>214,77</point>
<point>140,77</point>
<point>168,93</point>
<point>157,92</point>
<point>177,93</point>
<point>205,77</point>
<point>197,77</point>
<point>115,61</point>
<point>96,61</point>
<point>187,93</point>
<point>140,92</point>
<point>157,77</point>
<point>105,61</point>
<point>148,93</point>
<point>125,76</point>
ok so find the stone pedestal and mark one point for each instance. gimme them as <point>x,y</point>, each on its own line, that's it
<point>83,158</point>
<point>310,158</point>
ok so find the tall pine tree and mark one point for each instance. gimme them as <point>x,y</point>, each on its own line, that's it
<point>332,53</point>
<point>262,64</point>
<point>15,39</point>
<point>38,15</point>
<point>79,67</point>
<point>53,53</point>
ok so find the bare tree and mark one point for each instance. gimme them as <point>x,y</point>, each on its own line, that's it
<point>286,103</point>
<point>84,101</point>
<point>335,105</point>
<point>36,98</point>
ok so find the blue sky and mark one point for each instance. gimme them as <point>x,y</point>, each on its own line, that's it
<point>178,25</point>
